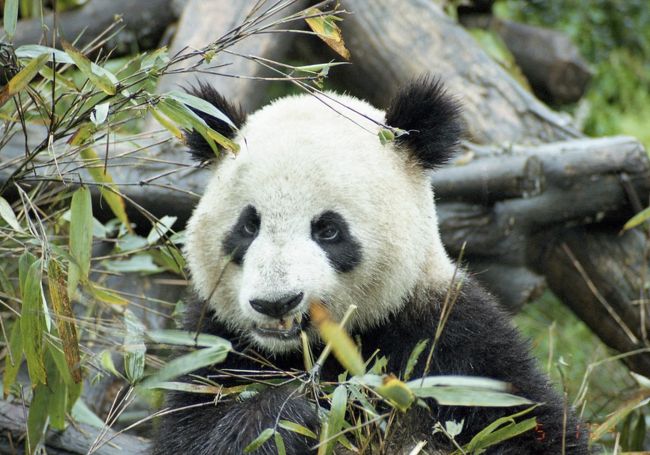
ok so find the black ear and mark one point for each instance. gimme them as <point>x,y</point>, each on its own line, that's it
<point>199,148</point>
<point>430,117</point>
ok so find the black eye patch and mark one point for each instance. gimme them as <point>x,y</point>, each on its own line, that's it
<point>242,234</point>
<point>332,233</point>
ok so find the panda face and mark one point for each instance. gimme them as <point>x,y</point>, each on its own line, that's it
<point>313,208</point>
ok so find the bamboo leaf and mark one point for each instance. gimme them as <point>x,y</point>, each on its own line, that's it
<point>166,123</point>
<point>396,392</point>
<point>186,338</point>
<point>81,238</point>
<point>188,119</point>
<point>483,436</point>
<point>336,417</point>
<point>10,18</point>
<point>37,417</point>
<point>345,351</point>
<point>13,359</point>
<point>106,361</point>
<point>65,319</point>
<point>637,219</point>
<point>22,79</point>
<point>34,50</point>
<point>469,396</point>
<point>327,30</point>
<point>57,402</point>
<point>32,324</point>
<point>99,113</point>
<point>134,348</point>
<point>186,364</point>
<point>108,189</point>
<point>279,443</point>
<point>190,387</point>
<point>106,296</point>
<point>24,263</point>
<point>319,67</point>
<point>162,227</point>
<point>259,441</point>
<point>82,413</point>
<point>413,358</point>
<point>386,136</point>
<point>460,381</point>
<point>201,105</point>
<point>142,263</point>
<point>502,434</point>
<point>297,428</point>
<point>466,391</point>
<point>7,214</point>
<point>98,76</point>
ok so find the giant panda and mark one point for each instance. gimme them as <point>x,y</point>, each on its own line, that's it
<point>315,207</point>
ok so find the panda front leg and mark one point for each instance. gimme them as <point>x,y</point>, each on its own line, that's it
<point>227,427</point>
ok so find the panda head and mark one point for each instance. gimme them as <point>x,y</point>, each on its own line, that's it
<point>315,208</point>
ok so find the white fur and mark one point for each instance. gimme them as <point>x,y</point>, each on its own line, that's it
<point>299,158</point>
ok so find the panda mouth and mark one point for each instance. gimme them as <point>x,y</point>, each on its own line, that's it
<point>285,328</point>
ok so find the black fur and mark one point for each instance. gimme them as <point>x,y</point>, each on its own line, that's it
<point>199,148</point>
<point>430,117</point>
<point>344,251</point>
<point>238,240</point>
<point>478,340</point>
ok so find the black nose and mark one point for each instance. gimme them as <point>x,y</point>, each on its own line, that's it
<point>276,308</point>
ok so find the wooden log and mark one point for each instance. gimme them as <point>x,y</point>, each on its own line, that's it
<point>491,179</point>
<point>204,22</point>
<point>582,185</point>
<point>76,439</point>
<point>391,41</point>
<point>581,267</point>
<point>142,26</point>
<point>549,60</point>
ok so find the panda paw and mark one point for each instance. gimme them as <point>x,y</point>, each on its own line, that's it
<point>246,420</point>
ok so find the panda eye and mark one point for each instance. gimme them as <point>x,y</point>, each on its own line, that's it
<point>328,232</point>
<point>251,227</point>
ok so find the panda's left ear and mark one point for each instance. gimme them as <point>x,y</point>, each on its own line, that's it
<point>199,148</point>
<point>431,118</point>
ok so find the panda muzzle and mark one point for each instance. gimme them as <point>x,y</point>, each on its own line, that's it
<point>283,325</point>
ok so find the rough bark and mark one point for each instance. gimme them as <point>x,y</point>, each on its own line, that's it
<point>582,268</point>
<point>204,22</point>
<point>549,60</point>
<point>392,41</point>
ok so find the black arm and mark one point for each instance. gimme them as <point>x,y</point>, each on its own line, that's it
<point>202,427</point>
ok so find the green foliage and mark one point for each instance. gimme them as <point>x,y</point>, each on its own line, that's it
<point>614,36</point>
<point>559,340</point>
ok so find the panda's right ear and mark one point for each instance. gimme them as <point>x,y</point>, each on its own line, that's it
<point>199,147</point>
